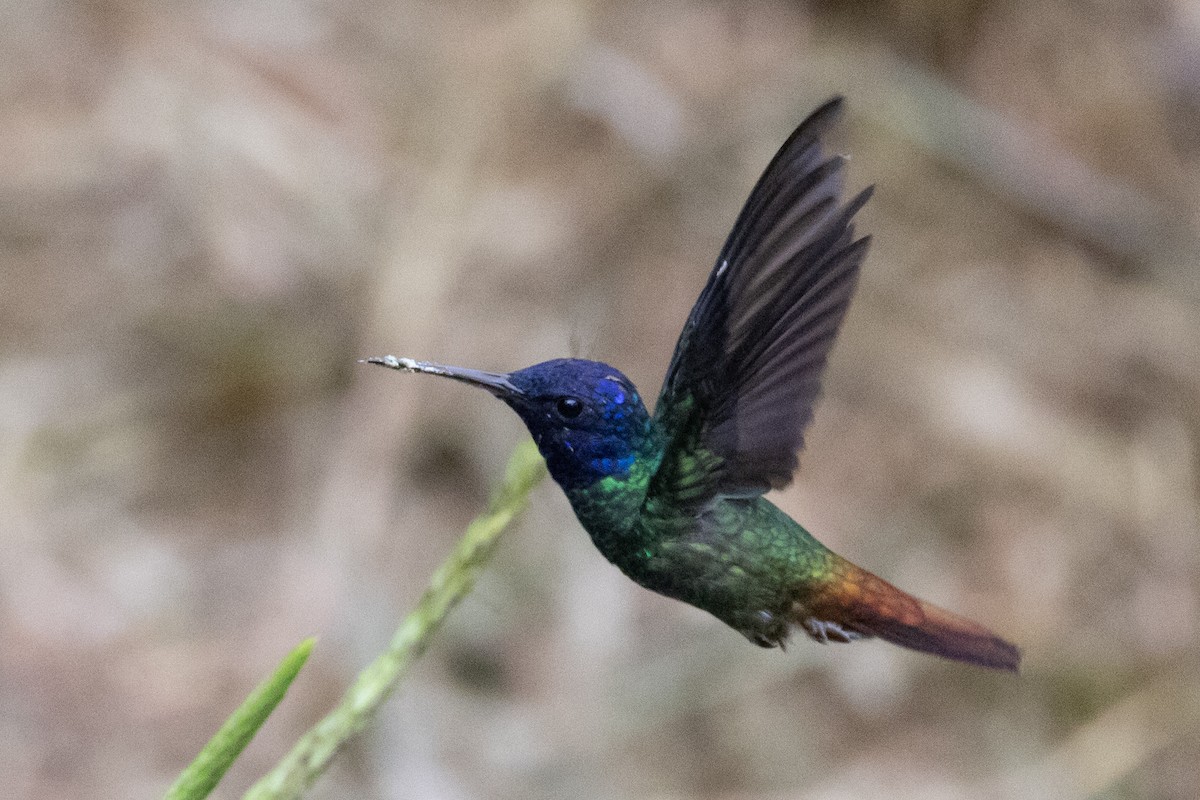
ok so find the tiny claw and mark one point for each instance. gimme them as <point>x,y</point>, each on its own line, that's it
<point>825,631</point>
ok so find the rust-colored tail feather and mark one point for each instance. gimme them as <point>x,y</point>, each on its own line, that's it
<point>948,635</point>
<point>870,606</point>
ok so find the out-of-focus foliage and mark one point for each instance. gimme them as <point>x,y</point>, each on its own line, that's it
<point>201,776</point>
<point>455,579</point>
<point>209,210</point>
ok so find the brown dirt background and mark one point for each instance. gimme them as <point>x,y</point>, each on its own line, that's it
<point>209,210</point>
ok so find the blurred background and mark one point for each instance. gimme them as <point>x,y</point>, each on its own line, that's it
<point>209,210</point>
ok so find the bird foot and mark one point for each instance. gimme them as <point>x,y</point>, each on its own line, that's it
<point>766,630</point>
<point>825,632</point>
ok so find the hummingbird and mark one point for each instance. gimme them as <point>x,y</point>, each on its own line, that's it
<point>675,498</point>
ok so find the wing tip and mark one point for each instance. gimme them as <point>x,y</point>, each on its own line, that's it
<point>859,200</point>
<point>830,110</point>
<point>814,127</point>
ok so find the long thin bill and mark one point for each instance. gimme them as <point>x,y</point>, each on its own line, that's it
<point>495,382</point>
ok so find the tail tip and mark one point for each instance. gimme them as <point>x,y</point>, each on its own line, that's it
<point>946,634</point>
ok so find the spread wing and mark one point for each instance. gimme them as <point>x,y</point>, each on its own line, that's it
<point>746,371</point>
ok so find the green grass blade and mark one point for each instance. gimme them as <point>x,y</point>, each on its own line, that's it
<point>202,775</point>
<point>453,580</point>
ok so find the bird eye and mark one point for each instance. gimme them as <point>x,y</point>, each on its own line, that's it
<point>569,407</point>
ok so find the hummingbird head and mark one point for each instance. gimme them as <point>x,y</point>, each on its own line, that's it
<point>587,418</point>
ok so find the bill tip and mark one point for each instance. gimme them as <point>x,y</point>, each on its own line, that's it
<point>388,361</point>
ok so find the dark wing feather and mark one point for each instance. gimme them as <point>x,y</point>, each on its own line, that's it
<point>746,372</point>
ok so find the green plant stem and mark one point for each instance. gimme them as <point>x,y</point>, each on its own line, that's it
<point>202,775</point>
<point>453,580</point>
